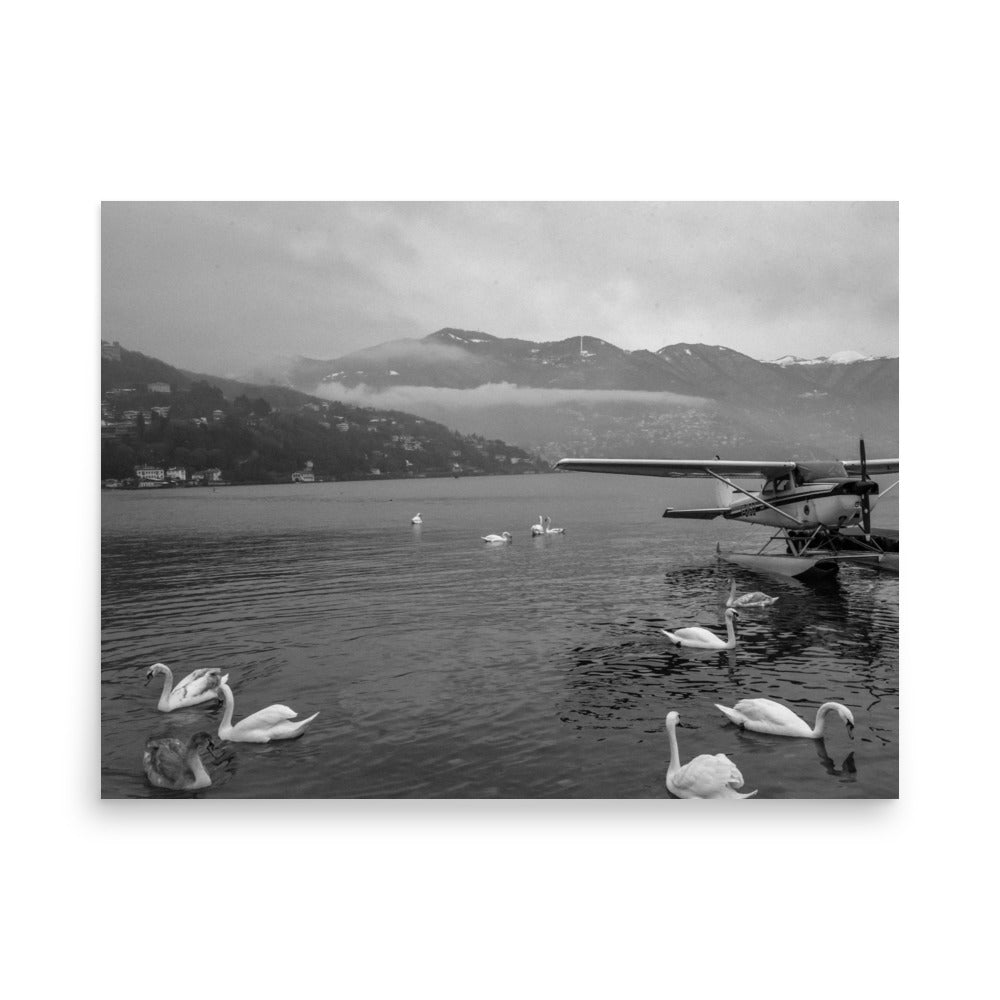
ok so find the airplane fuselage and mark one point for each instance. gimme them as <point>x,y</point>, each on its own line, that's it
<point>833,504</point>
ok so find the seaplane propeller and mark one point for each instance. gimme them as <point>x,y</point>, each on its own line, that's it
<point>865,488</point>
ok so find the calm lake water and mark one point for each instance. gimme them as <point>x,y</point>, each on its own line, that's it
<point>443,667</point>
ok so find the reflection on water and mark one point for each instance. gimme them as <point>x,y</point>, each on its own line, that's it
<point>443,667</point>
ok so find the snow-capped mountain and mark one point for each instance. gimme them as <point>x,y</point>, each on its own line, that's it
<point>838,358</point>
<point>682,397</point>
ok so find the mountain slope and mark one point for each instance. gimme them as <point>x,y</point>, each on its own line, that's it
<point>265,433</point>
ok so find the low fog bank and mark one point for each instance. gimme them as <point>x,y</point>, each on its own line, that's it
<point>497,395</point>
<point>591,423</point>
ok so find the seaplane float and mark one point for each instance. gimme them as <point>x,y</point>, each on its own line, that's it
<point>820,511</point>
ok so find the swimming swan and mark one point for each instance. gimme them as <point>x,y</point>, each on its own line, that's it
<point>171,763</point>
<point>416,520</point>
<point>755,599</point>
<point>497,539</point>
<point>704,777</point>
<point>550,530</point>
<point>701,638</point>
<point>761,715</point>
<point>271,723</point>
<point>198,687</point>
<point>539,529</point>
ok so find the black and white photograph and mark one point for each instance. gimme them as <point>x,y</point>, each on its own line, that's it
<point>503,414</point>
<point>477,500</point>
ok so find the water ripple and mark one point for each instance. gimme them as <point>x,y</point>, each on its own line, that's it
<point>445,668</point>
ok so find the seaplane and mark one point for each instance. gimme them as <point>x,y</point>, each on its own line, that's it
<point>820,512</point>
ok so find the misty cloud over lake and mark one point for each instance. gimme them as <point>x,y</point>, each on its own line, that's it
<point>417,398</point>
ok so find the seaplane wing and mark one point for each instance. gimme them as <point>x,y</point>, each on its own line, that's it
<point>681,468</point>
<point>876,466</point>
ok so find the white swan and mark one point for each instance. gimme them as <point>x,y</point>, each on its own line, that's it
<point>704,777</point>
<point>539,529</point>
<point>198,687</point>
<point>416,520</point>
<point>271,723</point>
<point>701,638</point>
<point>498,539</point>
<point>761,715</point>
<point>755,599</point>
<point>550,530</point>
<point>171,763</point>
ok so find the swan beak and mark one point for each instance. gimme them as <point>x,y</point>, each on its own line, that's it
<point>149,677</point>
<point>850,730</point>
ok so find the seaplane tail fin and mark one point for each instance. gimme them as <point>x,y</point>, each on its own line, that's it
<point>698,513</point>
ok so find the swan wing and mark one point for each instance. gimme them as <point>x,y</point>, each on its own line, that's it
<point>765,712</point>
<point>197,683</point>
<point>754,599</point>
<point>273,715</point>
<point>707,777</point>
<point>697,634</point>
<point>165,759</point>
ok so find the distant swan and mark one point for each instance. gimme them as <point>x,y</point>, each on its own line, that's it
<point>539,529</point>
<point>761,715</point>
<point>497,539</point>
<point>704,777</point>
<point>171,763</point>
<point>755,599</point>
<point>198,687</point>
<point>416,520</point>
<point>271,723</point>
<point>701,638</point>
<point>550,530</point>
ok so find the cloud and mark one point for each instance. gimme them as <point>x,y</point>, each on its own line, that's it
<point>413,398</point>
<point>214,286</point>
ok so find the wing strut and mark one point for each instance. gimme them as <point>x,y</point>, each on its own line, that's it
<point>888,489</point>
<point>739,489</point>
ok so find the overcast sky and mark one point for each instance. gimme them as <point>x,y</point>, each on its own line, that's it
<point>219,287</point>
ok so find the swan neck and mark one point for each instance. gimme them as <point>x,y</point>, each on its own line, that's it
<point>675,755</point>
<point>168,686</point>
<point>197,765</point>
<point>226,722</point>
<point>731,629</point>
<point>821,714</point>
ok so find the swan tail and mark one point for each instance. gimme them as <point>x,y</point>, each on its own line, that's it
<point>730,793</point>
<point>670,635</point>
<point>731,715</point>
<point>305,722</point>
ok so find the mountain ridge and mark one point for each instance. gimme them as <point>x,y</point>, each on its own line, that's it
<point>464,359</point>
<point>588,396</point>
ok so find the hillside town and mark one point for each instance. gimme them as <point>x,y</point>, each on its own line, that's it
<point>183,433</point>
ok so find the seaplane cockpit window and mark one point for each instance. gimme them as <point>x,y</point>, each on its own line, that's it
<point>773,486</point>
